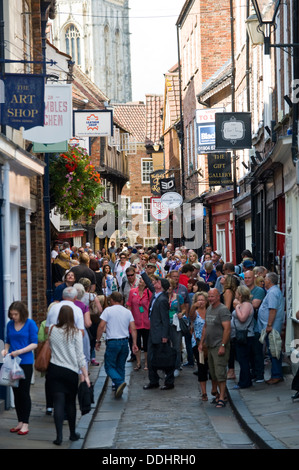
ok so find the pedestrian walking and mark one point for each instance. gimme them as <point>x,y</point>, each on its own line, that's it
<point>21,341</point>
<point>117,321</point>
<point>67,359</point>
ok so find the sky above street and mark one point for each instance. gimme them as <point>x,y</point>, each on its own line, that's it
<point>153,44</point>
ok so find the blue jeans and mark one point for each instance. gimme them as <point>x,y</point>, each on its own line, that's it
<point>276,369</point>
<point>115,359</point>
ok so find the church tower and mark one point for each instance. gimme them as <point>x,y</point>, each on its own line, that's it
<point>96,34</point>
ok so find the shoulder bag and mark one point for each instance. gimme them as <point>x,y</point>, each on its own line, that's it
<point>42,361</point>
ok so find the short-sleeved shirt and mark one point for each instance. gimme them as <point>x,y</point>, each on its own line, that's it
<point>53,314</point>
<point>118,320</point>
<point>214,329</point>
<point>258,293</point>
<point>273,300</point>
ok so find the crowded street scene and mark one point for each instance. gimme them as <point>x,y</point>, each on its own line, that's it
<point>149,302</point>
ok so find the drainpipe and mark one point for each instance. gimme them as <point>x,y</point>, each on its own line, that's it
<point>46,175</point>
<point>181,115</point>
<point>28,260</point>
<point>296,77</point>
<point>6,241</point>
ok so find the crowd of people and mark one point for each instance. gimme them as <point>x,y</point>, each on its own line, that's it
<point>139,301</point>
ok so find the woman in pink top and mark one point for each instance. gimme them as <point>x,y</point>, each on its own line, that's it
<point>138,302</point>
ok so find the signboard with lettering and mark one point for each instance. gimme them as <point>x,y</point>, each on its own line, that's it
<point>23,98</point>
<point>233,131</point>
<point>93,123</point>
<point>155,178</point>
<point>220,169</point>
<point>167,184</point>
<point>57,126</point>
<point>205,124</point>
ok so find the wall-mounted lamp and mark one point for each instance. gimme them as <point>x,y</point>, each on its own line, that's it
<point>263,22</point>
<point>156,146</point>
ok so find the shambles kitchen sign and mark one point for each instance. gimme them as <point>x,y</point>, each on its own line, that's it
<point>23,101</point>
<point>57,122</point>
<point>220,169</point>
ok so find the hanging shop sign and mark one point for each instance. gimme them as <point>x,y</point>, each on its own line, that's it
<point>205,126</point>
<point>23,98</point>
<point>57,126</point>
<point>155,178</point>
<point>172,200</point>
<point>220,169</point>
<point>167,185</point>
<point>158,210</point>
<point>233,131</point>
<point>50,148</point>
<point>93,123</point>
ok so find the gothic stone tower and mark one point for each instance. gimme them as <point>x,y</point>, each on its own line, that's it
<point>96,34</point>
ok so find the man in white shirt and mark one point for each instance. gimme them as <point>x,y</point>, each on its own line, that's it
<point>69,295</point>
<point>118,322</point>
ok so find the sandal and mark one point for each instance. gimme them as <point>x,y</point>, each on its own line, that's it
<point>204,397</point>
<point>138,367</point>
<point>215,400</point>
<point>220,404</point>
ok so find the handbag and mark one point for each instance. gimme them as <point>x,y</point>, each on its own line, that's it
<point>94,312</point>
<point>241,335</point>
<point>42,361</point>
<point>164,356</point>
<point>184,325</point>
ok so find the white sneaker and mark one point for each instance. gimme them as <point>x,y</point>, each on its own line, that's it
<point>176,373</point>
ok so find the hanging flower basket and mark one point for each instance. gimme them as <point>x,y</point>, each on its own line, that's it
<point>75,185</point>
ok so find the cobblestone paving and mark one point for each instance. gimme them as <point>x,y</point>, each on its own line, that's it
<point>172,419</point>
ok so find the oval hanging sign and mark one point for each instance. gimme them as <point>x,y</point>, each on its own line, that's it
<point>172,200</point>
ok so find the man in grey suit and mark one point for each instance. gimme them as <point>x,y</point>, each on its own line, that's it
<point>159,329</point>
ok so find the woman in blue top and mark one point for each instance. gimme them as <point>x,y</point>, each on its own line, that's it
<point>21,340</point>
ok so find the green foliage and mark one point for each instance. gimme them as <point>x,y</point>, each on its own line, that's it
<point>75,185</point>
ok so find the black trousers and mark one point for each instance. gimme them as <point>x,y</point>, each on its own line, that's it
<point>64,389</point>
<point>22,395</point>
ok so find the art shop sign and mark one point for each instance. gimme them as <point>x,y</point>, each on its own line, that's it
<point>220,169</point>
<point>23,100</point>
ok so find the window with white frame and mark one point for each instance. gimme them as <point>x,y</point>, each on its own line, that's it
<point>146,209</point>
<point>220,240</point>
<point>150,242</point>
<point>146,170</point>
